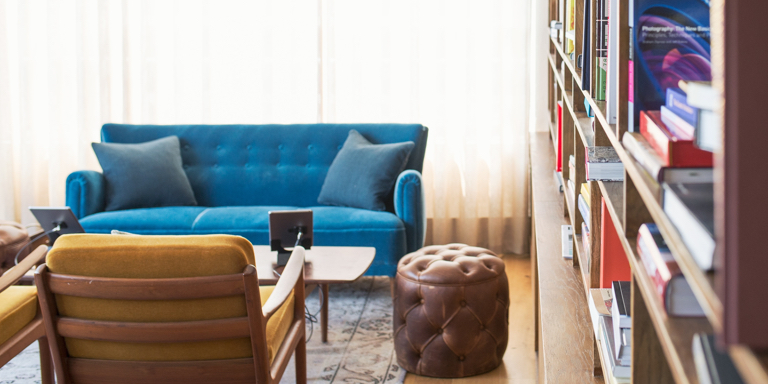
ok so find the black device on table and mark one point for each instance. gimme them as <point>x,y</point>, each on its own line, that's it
<point>289,229</point>
<point>57,221</point>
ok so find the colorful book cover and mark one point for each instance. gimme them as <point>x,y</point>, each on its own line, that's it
<point>671,42</point>
<point>677,102</point>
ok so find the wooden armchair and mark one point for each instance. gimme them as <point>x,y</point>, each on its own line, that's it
<point>161,309</point>
<point>21,321</point>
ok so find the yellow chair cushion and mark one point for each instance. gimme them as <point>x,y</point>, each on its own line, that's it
<point>160,257</point>
<point>18,306</point>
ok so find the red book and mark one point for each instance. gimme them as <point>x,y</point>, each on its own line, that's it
<point>559,163</point>
<point>671,286</point>
<point>614,265</point>
<point>674,151</point>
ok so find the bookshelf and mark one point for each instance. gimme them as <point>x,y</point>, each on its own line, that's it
<point>661,345</point>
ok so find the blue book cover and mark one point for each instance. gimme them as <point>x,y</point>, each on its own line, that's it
<point>677,102</point>
<point>671,42</point>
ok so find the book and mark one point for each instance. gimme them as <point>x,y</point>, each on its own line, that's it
<point>649,160</point>
<point>600,301</point>
<point>709,133</point>
<point>670,43</point>
<point>586,49</point>
<point>712,365</point>
<point>614,264</point>
<point>559,160</point>
<point>612,87</point>
<point>671,286</point>
<point>701,94</point>
<point>621,311</point>
<point>676,125</point>
<point>601,49</point>
<point>570,26</point>
<point>673,151</point>
<point>584,209</point>
<point>585,243</point>
<point>616,367</point>
<point>572,169</point>
<point>677,103</point>
<point>631,69</point>
<point>566,232</point>
<point>690,208</point>
<point>585,192</point>
<point>603,163</point>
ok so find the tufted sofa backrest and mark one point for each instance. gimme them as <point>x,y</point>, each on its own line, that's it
<point>242,165</point>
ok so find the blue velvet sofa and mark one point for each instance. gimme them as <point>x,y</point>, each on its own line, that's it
<point>240,172</point>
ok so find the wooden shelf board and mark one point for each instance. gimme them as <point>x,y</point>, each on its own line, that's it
<point>752,367</point>
<point>575,72</point>
<point>565,324</point>
<point>583,122</point>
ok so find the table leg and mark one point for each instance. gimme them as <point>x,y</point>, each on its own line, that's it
<point>324,312</point>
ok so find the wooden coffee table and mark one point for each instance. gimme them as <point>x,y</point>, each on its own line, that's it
<point>323,266</point>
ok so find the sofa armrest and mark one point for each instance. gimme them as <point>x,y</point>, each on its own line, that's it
<point>411,208</point>
<point>86,193</point>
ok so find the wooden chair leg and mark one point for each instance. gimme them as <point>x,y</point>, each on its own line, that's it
<point>301,361</point>
<point>46,362</point>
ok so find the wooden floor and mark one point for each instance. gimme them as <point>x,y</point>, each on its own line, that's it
<point>520,360</point>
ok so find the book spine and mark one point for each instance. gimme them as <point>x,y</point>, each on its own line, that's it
<point>673,151</point>
<point>559,161</point>
<point>677,102</point>
<point>676,125</point>
<point>584,209</point>
<point>656,137</point>
<point>631,70</point>
<point>643,153</point>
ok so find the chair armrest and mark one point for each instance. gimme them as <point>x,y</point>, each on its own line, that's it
<point>14,274</point>
<point>411,208</point>
<point>86,191</point>
<point>292,274</point>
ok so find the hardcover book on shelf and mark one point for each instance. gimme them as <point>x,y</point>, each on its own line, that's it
<point>585,192</point>
<point>677,103</point>
<point>613,260</point>
<point>705,98</point>
<point>620,369</point>
<point>671,42</point>
<point>601,49</point>
<point>585,243</point>
<point>586,49</point>
<point>621,311</point>
<point>559,181</point>
<point>673,151</point>
<point>612,87</point>
<point>676,125</point>
<point>636,145</point>
<point>572,170</point>
<point>584,209</point>
<point>559,160</point>
<point>570,26</point>
<point>690,208</point>
<point>600,300</point>
<point>671,286</point>
<point>603,163</point>
<point>712,365</point>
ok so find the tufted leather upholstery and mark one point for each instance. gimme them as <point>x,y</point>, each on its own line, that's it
<point>451,311</point>
<point>13,237</point>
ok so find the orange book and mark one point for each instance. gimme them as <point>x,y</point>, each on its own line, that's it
<point>614,265</point>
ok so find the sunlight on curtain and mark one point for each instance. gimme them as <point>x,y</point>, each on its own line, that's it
<point>460,68</point>
<point>67,67</point>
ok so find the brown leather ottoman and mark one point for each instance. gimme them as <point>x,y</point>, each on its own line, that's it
<point>451,305</point>
<point>12,238</point>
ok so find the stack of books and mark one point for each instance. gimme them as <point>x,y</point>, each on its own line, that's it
<point>612,330</point>
<point>713,366</point>
<point>691,209</point>
<point>603,163</point>
<point>703,101</point>
<point>673,290</point>
<point>667,152</point>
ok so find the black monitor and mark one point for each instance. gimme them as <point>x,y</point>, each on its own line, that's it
<point>288,229</point>
<point>57,221</point>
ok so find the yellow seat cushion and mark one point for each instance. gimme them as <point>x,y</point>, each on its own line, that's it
<point>160,257</point>
<point>18,306</point>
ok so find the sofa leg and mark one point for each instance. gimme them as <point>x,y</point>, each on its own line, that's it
<point>301,361</point>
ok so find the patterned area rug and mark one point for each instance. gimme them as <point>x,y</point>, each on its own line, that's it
<point>359,348</point>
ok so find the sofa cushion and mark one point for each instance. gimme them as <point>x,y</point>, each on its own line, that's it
<point>362,174</point>
<point>18,306</point>
<point>144,175</point>
<point>333,226</point>
<point>148,221</point>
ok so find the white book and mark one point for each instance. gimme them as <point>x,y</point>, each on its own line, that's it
<point>709,133</point>
<point>611,84</point>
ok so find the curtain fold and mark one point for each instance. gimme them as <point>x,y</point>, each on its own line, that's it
<point>459,67</point>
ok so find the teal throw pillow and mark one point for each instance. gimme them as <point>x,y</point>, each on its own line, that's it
<point>362,174</point>
<point>144,175</point>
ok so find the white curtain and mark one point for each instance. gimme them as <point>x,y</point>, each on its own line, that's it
<point>459,67</point>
